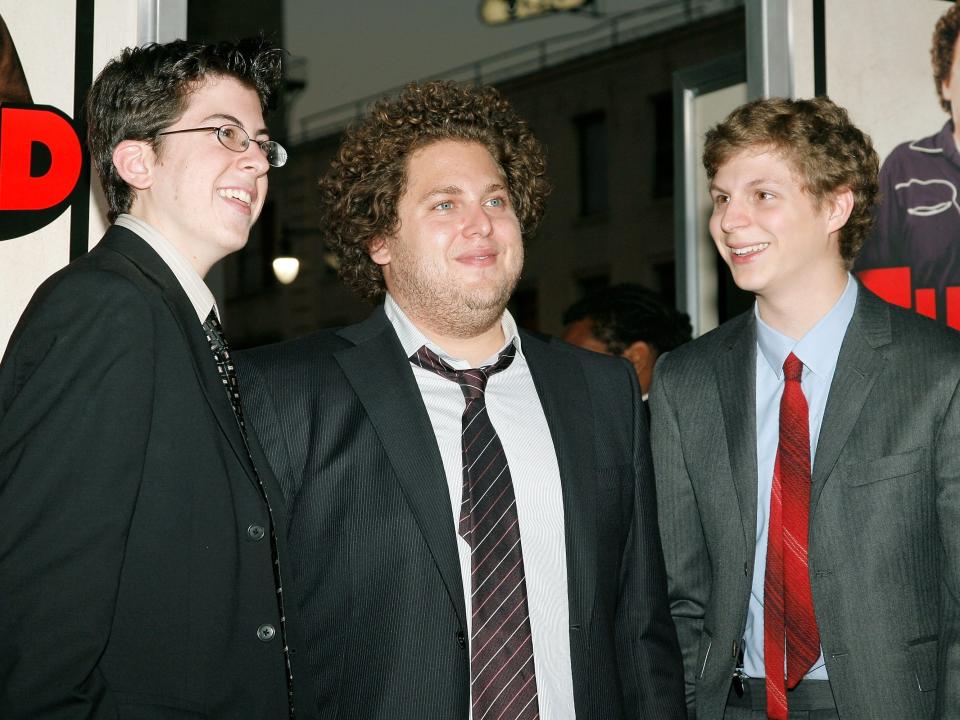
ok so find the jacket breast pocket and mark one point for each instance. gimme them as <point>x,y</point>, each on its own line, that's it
<point>891,467</point>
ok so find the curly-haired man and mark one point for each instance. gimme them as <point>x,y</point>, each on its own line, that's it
<point>807,452</point>
<point>917,217</point>
<point>473,520</point>
<point>142,550</point>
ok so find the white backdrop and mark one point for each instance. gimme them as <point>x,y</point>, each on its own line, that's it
<point>43,33</point>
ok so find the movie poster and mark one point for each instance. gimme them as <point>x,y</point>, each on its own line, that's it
<point>49,54</point>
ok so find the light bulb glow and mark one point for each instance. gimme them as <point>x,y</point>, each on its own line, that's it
<point>286,269</point>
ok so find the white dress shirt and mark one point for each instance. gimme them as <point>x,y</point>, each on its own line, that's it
<point>514,408</point>
<point>193,285</point>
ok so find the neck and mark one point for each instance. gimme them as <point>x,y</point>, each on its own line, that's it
<point>795,311</point>
<point>474,349</point>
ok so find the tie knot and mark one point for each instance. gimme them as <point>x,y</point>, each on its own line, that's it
<point>473,382</point>
<point>792,367</point>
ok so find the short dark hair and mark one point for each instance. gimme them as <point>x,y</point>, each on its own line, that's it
<point>626,313</point>
<point>145,90</point>
<point>826,150</point>
<point>360,194</point>
<point>941,51</point>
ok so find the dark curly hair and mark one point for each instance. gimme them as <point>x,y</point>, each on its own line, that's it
<point>826,150</point>
<point>627,313</point>
<point>941,52</point>
<point>360,194</point>
<point>145,91</point>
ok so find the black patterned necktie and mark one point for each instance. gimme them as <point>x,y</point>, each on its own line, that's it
<point>225,368</point>
<point>502,680</point>
<point>228,377</point>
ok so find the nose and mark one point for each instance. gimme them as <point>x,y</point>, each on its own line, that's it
<point>477,222</point>
<point>254,159</point>
<point>733,216</point>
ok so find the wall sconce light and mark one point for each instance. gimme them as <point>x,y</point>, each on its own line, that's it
<point>285,268</point>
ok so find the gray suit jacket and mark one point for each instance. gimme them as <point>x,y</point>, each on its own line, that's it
<point>885,511</point>
<point>373,540</point>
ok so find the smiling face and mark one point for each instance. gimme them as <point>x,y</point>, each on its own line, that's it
<point>771,233</point>
<point>200,195</point>
<point>457,254</point>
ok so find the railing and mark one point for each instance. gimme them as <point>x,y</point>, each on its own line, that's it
<point>655,16</point>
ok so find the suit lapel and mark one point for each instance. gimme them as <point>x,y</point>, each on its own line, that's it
<point>858,366</point>
<point>151,265</point>
<point>383,380</point>
<point>736,379</point>
<point>563,393</point>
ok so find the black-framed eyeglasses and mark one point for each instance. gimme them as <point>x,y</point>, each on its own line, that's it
<point>234,137</point>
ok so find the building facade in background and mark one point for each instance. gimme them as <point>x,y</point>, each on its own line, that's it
<point>606,120</point>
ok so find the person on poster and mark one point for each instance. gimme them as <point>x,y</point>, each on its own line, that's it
<point>472,512</point>
<point>142,534</point>
<point>807,452</point>
<point>13,81</point>
<point>918,213</point>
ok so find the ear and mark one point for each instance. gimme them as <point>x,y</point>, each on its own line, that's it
<point>840,205</point>
<point>379,252</point>
<point>640,354</point>
<point>134,161</point>
<point>643,357</point>
<point>945,90</point>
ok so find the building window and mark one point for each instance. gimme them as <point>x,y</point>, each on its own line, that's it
<point>663,144</point>
<point>592,142</point>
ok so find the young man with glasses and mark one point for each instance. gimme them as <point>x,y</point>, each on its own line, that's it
<point>142,554</point>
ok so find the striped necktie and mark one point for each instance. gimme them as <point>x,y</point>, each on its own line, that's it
<point>790,634</point>
<point>503,685</point>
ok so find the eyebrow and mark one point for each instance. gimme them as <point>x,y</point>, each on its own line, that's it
<point>233,120</point>
<point>456,190</point>
<point>753,183</point>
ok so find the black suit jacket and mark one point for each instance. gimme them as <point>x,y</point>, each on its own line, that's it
<point>129,584</point>
<point>373,540</point>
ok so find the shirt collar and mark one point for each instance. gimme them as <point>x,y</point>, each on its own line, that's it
<point>193,285</point>
<point>945,141</point>
<point>412,339</point>
<point>819,349</point>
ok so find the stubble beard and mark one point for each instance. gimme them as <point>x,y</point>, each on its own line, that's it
<point>449,309</point>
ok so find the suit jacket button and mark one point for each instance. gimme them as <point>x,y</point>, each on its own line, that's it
<point>266,632</point>
<point>461,640</point>
<point>255,532</point>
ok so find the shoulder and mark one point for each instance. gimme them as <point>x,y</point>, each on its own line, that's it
<point>698,356</point>
<point>292,357</point>
<point>595,366</point>
<point>915,333</point>
<point>97,294</point>
<point>923,152</point>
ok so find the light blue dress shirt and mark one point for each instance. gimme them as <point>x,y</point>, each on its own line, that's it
<point>818,350</point>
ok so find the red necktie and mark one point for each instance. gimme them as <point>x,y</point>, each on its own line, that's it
<point>503,681</point>
<point>789,625</point>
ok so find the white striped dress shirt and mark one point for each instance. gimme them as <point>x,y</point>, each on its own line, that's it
<point>517,415</point>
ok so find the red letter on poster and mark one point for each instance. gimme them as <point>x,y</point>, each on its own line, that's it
<point>20,128</point>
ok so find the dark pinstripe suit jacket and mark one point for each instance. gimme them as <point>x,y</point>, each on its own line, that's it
<point>373,540</point>
<point>884,511</point>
